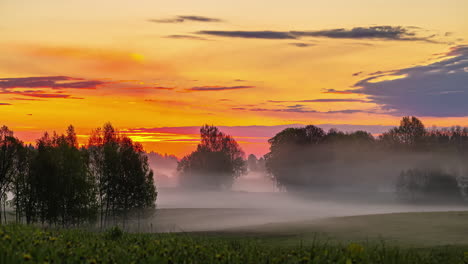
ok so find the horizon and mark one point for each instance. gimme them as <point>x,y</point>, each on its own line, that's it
<point>252,139</point>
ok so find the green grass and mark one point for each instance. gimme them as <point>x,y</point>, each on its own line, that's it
<point>402,229</point>
<point>26,244</point>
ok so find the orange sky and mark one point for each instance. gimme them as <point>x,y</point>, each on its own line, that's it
<point>152,64</point>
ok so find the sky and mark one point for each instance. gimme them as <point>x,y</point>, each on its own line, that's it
<point>157,70</point>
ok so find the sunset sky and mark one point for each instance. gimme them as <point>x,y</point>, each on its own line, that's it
<point>157,69</point>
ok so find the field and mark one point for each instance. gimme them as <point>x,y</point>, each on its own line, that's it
<point>388,238</point>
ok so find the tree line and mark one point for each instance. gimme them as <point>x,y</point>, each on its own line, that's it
<point>417,161</point>
<point>57,182</point>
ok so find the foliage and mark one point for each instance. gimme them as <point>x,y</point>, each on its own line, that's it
<point>216,162</point>
<point>124,179</point>
<point>20,244</point>
<point>428,185</point>
<point>308,158</point>
<point>58,183</point>
<point>299,158</point>
<point>8,149</point>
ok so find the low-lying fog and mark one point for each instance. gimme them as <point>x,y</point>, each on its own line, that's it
<point>256,201</point>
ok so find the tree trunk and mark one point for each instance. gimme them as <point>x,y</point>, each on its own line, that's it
<point>1,210</point>
<point>4,210</point>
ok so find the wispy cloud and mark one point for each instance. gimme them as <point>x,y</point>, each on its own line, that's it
<point>249,34</point>
<point>301,44</point>
<point>182,19</point>
<point>397,33</point>
<point>331,100</point>
<point>334,91</point>
<point>52,82</point>
<point>46,86</point>
<point>301,109</point>
<point>185,37</point>
<point>5,104</point>
<point>218,88</point>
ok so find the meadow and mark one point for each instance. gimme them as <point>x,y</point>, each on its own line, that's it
<point>346,240</point>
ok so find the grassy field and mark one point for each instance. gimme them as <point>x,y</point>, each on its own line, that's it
<point>440,237</point>
<point>403,229</point>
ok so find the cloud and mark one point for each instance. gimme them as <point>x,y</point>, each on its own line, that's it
<point>398,33</point>
<point>249,34</point>
<point>51,86</point>
<point>323,101</point>
<point>150,88</point>
<point>357,73</point>
<point>301,109</point>
<point>24,99</point>
<point>52,82</point>
<point>218,88</point>
<point>301,45</point>
<point>333,91</point>
<point>5,104</point>
<point>40,94</point>
<point>439,89</point>
<point>375,32</point>
<point>182,19</point>
<point>185,37</point>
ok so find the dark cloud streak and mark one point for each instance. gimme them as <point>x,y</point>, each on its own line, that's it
<point>218,88</point>
<point>182,19</point>
<point>397,33</point>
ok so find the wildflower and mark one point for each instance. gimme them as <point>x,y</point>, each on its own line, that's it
<point>27,257</point>
<point>354,248</point>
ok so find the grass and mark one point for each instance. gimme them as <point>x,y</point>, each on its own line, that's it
<point>428,229</point>
<point>401,238</point>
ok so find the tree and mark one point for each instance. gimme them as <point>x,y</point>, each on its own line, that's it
<point>216,163</point>
<point>124,180</point>
<point>24,198</point>
<point>296,156</point>
<point>63,187</point>
<point>8,150</point>
<point>410,134</point>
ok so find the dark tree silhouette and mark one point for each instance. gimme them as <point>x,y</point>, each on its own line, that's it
<point>410,134</point>
<point>216,162</point>
<point>63,189</point>
<point>8,151</point>
<point>295,158</point>
<point>124,180</point>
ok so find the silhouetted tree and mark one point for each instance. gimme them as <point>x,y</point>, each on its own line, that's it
<point>216,162</point>
<point>409,135</point>
<point>8,150</point>
<point>296,156</point>
<point>23,189</point>
<point>124,179</point>
<point>63,188</point>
